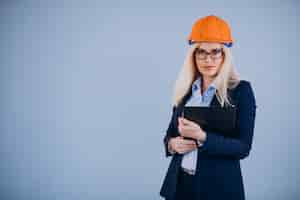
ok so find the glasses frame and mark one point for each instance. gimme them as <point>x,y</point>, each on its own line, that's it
<point>212,56</point>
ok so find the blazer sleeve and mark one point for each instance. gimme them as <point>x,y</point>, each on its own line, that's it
<point>239,148</point>
<point>169,133</point>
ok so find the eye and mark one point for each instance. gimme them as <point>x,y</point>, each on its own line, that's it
<point>200,51</point>
<point>216,51</point>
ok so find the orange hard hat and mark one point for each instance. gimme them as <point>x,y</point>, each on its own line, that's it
<point>211,29</point>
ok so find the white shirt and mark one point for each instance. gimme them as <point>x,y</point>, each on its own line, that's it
<point>189,160</point>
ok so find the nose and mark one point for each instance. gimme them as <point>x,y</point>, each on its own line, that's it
<point>208,59</point>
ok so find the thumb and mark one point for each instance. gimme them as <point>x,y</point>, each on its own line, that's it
<point>186,121</point>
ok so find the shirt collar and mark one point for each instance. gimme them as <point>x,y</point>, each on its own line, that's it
<point>196,86</point>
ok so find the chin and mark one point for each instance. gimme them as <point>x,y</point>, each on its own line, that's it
<point>210,74</point>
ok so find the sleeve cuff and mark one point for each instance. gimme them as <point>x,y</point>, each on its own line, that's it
<point>171,151</point>
<point>205,144</point>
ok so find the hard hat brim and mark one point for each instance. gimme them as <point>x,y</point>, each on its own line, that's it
<point>227,44</point>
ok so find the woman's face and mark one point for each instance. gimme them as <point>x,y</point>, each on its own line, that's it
<point>209,65</point>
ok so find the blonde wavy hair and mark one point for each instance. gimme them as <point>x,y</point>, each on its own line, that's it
<point>227,78</point>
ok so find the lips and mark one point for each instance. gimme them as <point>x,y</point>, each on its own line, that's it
<point>209,67</point>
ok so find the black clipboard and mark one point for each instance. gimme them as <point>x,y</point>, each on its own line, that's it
<point>220,120</point>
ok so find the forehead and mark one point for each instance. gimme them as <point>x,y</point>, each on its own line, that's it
<point>210,45</point>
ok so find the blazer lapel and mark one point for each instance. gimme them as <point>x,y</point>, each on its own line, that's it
<point>214,102</point>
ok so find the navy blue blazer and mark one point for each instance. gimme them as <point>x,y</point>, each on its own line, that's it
<point>218,172</point>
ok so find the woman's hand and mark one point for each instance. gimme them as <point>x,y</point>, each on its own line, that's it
<point>181,145</point>
<point>190,129</point>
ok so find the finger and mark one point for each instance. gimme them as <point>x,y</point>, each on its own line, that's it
<point>189,123</point>
<point>188,148</point>
<point>186,121</point>
<point>184,149</point>
<point>180,122</point>
<point>192,149</point>
<point>188,128</point>
<point>183,121</point>
<point>188,132</point>
<point>179,127</point>
<point>191,146</point>
<point>188,142</point>
<point>178,138</point>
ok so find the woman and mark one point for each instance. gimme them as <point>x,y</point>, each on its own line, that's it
<point>208,167</point>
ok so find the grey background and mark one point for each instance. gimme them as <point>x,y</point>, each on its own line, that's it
<point>86,88</point>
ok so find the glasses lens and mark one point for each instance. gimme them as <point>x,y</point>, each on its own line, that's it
<point>200,53</point>
<point>214,54</point>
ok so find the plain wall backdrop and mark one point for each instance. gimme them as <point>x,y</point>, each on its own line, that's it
<point>86,94</point>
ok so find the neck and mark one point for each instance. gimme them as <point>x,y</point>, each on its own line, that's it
<point>206,81</point>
